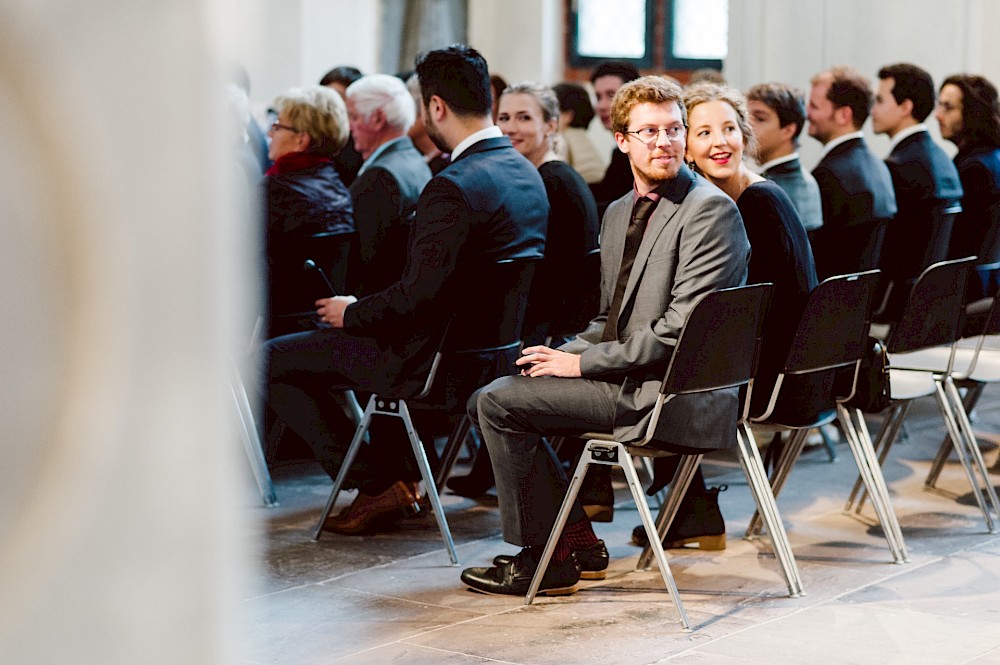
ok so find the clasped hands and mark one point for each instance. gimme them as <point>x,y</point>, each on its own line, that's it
<point>543,361</point>
<point>331,310</point>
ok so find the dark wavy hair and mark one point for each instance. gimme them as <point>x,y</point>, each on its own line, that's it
<point>980,112</point>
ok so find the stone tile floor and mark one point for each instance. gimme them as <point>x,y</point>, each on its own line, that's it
<point>394,597</point>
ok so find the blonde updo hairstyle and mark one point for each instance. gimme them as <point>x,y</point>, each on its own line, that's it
<point>319,112</point>
<point>700,93</point>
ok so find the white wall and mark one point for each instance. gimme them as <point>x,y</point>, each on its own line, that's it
<point>118,269</point>
<point>520,40</point>
<point>791,40</point>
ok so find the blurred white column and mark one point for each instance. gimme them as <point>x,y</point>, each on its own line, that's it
<point>119,543</point>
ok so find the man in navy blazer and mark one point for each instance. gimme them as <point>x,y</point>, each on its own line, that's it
<point>381,111</point>
<point>778,115</point>
<point>925,180</point>
<point>466,217</point>
<point>854,184</point>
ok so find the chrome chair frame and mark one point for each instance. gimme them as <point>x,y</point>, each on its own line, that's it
<point>603,448</point>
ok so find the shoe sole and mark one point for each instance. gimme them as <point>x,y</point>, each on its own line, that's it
<point>560,591</point>
<point>596,513</point>
<point>593,574</point>
<point>706,543</point>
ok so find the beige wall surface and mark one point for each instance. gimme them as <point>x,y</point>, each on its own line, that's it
<point>119,541</point>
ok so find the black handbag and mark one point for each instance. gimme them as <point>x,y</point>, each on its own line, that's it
<point>872,394</point>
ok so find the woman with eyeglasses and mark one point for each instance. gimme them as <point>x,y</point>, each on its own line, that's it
<point>304,194</point>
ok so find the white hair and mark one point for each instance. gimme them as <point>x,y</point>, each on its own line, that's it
<point>381,91</point>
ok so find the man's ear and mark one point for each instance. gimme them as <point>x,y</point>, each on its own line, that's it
<point>788,131</point>
<point>844,115</point>
<point>377,119</point>
<point>436,108</point>
<point>622,142</point>
<point>907,106</point>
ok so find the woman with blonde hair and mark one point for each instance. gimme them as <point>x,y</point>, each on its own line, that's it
<point>304,194</point>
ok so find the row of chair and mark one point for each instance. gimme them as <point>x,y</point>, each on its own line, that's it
<point>718,349</point>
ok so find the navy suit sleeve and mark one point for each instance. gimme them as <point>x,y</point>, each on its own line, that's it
<point>442,230</point>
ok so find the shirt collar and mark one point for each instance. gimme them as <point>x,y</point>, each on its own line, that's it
<point>378,151</point>
<point>491,132</point>
<point>840,139</point>
<point>903,133</point>
<point>778,160</point>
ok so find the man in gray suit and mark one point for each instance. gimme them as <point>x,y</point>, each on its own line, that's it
<point>778,114</point>
<point>671,239</point>
<point>385,193</point>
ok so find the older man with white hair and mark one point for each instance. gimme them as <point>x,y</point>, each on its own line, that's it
<point>381,111</point>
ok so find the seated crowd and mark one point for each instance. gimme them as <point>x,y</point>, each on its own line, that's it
<point>427,177</point>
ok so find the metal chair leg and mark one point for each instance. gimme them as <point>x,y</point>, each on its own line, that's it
<point>617,452</point>
<point>429,486</point>
<point>251,437</point>
<point>352,452</point>
<point>972,395</point>
<point>557,528</point>
<point>686,468</point>
<point>782,467</point>
<point>861,446</point>
<point>887,436</point>
<point>970,455</point>
<point>760,489</point>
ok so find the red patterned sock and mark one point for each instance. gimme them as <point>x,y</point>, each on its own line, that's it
<point>579,536</point>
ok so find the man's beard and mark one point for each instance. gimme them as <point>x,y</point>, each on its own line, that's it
<point>434,134</point>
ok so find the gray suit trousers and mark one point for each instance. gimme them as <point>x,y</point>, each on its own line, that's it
<point>513,413</point>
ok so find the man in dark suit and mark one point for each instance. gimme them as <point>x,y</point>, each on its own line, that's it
<point>924,179</point>
<point>671,239</point>
<point>466,217</point>
<point>854,184</point>
<point>385,193</point>
<point>778,115</point>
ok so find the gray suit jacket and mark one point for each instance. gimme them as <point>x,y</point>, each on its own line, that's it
<point>385,199</point>
<point>694,243</point>
<point>801,188</point>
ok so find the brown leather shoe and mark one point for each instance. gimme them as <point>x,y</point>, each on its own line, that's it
<point>366,511</point>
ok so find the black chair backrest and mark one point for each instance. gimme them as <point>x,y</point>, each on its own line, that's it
<point>936,250</point>
<point>849,249</point>
<point>720,341</point>
<point>494,318</point>
<point>833,329</point>
<point>579,297</point>
<point>934,311</point>
<point>986,238</point>
<point>294,289</point>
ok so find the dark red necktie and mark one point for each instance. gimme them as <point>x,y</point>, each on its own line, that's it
<point>641,213</point>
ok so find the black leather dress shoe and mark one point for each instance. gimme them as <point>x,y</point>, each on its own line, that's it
<point>698,522</point>
<point>593,561</point>
<point>514,577</point>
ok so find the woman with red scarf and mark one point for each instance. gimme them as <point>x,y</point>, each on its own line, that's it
<point>304,194</point>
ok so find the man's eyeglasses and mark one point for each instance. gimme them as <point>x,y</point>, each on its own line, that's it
<point>948,107</point>
<point>649,135</point>
<point>275,126</point>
